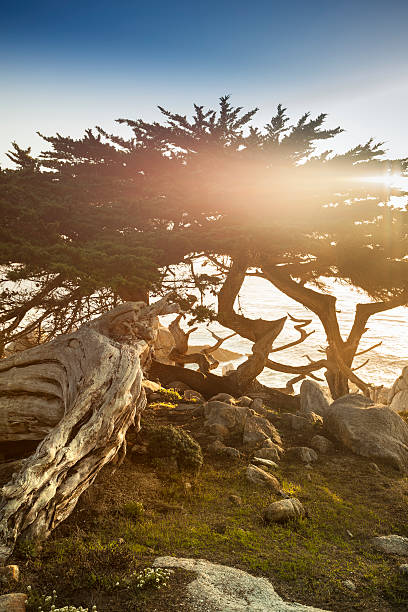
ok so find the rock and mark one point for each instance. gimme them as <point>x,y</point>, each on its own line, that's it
<point>283,510</point>
<point>231,452</point>
<point>257,430</point>
<point>226,398</point>
<point>370,431</point>
<point>218,448</point>
<point>403,569</point>
<point>150,386</point>
<point>321,445</point>
<point>265,462</point>
<point>244,401</point>
<point>235,499</point>
<point>259,477</point>
<point>10,572</point>
<point>258,406</point>
<point>272,452</point>
<point>356,400</point>
<point>400,384</point>
<point>190,394</point>
<point>312,398</point>
<point>302,453</point>
<point>220,588</point>
<point>295,422</point>
<point>399,402</point>
<point>178,386</point>
<point>349,584</point>
<point>13,602</point>
<point>223,419</point>
<point>139,449</point>
<point>391,544</point>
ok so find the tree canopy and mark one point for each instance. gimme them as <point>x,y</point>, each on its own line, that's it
<point>110,216</point>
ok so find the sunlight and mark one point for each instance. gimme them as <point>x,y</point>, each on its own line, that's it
<point>388,180</point>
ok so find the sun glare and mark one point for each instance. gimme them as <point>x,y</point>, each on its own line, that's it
<point>388,180</point>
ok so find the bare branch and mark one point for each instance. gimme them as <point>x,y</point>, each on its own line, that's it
<point>369,349</point>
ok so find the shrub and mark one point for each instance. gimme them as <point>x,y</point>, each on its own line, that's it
<point>169,441</point>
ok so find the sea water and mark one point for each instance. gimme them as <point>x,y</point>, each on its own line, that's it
<point>260,299</point>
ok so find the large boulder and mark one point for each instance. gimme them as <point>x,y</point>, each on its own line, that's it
<point>399,402</point>
<point>312,398</point>
<point>226,589</point>
<point>391,544</point>
<point>224,419</point>
<point>372,431</point>
<point>257,430</point>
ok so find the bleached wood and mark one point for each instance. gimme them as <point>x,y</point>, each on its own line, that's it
<point>82,391</point>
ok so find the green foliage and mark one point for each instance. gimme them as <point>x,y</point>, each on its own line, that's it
<point>169,395</point>
<point>169,441</point>
<point>47,603</point>
<point>133,510</point>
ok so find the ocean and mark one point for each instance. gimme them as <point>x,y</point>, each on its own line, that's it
<point>258,298</point>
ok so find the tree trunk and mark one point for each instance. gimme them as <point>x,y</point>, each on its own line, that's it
<point>81,391</point>
<point>211,384</point>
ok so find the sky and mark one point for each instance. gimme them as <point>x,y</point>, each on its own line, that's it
<point>66,66</point>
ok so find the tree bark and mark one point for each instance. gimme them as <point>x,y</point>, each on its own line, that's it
<point>81,391</point>
<point>211,384</point>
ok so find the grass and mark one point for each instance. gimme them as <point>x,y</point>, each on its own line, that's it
<point>143,512</point>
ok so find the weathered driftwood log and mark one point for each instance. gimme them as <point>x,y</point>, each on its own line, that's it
<point>82,391</point>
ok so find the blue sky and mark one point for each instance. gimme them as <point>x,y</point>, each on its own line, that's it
<point>69,65</point>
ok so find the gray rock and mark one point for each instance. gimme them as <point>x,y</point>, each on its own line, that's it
<point>349,584</point>
<point>257,430</point>
<point>226,398</point>
<point>370,431</point>
<point>226,589</point>
<point>236,500</point>
<point>295,422</point>
<point>190,394</point>
<point>272,452</point>
<point>257,476</point>
<point>321,445</point>
<point>264,462</point>
<point>399,402</point>
<point>150,386</point>
<point>403,569</point>
<point>312,398</point>
<point>244,401</point>
<point>356,400</point>
<point>224,419</point>
<point>391,544</point>
<point>284,510</point>
<point>302,453</point>
<point>13,602</point>
<point>257,405</point>
<point>178,385</point>
<point>231,452</point>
